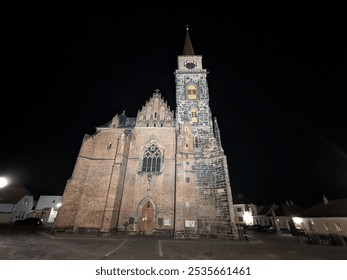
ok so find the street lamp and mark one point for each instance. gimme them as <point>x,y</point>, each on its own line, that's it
<point>3,182</point>
<point>297,221</point>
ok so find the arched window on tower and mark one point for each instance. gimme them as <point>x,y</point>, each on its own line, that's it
<point>191,91</point>
<point>194,113</point>
<point>151,159</point>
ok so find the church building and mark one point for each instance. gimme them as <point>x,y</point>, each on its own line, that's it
<point>158,172</point>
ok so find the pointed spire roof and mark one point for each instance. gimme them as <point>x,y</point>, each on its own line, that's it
<point>188,48</point>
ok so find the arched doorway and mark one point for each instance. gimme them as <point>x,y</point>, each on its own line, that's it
<point>147,218</point>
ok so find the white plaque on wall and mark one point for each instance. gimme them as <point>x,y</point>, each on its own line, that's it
<point>189,223</point>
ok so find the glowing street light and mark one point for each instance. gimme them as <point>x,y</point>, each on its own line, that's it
<point>248,218</point>
<point>297,220</point>
<point>3,182</point>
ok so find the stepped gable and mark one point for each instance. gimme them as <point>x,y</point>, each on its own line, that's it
<point>155,113</point>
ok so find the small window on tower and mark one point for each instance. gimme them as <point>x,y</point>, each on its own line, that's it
<point>194,115</point>
<point>191,91</point>
<point>109,145</point>
<point>196,142</point>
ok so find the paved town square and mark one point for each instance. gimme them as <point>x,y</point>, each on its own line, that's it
<point>38,243</point>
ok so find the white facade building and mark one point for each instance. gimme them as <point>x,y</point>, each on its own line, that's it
<point>47,208</point>
<point>15,204</point>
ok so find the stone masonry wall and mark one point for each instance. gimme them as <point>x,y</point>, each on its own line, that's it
<point>84,198</point>
<point>186,202</point>
<point>158,187</point>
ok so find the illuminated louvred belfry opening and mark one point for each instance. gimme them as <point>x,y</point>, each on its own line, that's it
<point>155,172</point>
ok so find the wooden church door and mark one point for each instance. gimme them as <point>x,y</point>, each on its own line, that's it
<point>147,218</point>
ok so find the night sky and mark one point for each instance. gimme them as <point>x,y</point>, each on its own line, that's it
<point>277,84</point>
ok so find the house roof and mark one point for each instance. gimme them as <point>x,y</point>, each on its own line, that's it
<point>266,209</point>
<point>239,199</point>
<point>12,194</point>
<point>289,209</point>
<point>329,208</point>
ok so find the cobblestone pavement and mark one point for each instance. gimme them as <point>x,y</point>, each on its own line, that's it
<point>38,243</point>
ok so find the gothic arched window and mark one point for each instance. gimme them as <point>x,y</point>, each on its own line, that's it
<point>151,159</point>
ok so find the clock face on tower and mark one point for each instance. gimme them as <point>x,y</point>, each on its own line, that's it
<point>190,65</point>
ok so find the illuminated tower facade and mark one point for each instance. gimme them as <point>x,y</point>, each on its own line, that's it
<point>200,154</point>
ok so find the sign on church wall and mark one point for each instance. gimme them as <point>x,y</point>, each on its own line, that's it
<point>189,223</point>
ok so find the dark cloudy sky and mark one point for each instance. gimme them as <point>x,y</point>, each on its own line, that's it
<point>277,84</point>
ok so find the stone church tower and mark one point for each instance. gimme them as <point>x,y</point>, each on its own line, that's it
<point>157,172</point>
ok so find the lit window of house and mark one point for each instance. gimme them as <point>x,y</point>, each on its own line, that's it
<point>311,225</point>
<point>326,226</point>
<point>338,227</point>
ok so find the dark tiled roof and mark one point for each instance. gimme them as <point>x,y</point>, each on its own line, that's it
<point>239,199</point>
<point>285,209</point>
<point>12,194</point>
<point>126,122</point>
<point>333,208</point>
<point>106,124</point>
<point>266,209</point>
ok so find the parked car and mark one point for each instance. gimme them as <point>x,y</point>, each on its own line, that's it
<point>29,222</point>
<point>298,232</point>
<point>268,229</point>
<point>254,227</point>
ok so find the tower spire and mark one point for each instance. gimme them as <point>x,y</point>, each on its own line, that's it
<point>188,48</point>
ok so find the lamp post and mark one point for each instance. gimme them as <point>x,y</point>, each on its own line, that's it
<point>3,182</point>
